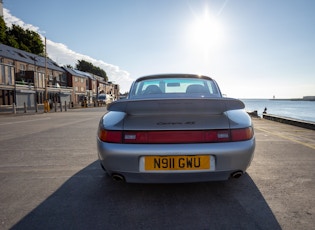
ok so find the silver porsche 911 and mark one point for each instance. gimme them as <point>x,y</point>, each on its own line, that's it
<point>175,128</point>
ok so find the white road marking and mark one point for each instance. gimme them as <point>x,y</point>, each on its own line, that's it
<point>16,122</point>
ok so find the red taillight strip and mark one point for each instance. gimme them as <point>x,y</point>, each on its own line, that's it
<point>168,137</point>
<point>163,137</point>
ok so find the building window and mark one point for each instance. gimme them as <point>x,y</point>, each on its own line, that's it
<point>2,74</point>
<point>22,70</point>
<point>6,75</point>
<point>41,80</point>
<point>10,75</point>
<point>76,79</point>
<point>63,78</point>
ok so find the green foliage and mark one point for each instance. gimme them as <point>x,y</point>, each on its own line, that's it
<point>19,38</point>
<point>68,66</point>
<point>3,29</point>
<point>89,67</point>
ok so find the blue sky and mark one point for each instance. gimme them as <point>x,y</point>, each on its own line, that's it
<point>252,48</point>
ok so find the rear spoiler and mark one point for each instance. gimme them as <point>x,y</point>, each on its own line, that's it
<point>176,106</point>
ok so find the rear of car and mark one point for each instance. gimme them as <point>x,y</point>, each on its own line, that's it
<point>104,99</point>
<point>175,129</point>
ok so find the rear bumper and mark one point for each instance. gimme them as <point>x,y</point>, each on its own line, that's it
<point>175,177</point>
<point>124,159</point>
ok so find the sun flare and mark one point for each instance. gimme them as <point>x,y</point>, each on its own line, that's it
<point>206,32</point>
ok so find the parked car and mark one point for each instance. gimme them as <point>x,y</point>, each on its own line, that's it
<point>175,128</point>
<point>104,99</point>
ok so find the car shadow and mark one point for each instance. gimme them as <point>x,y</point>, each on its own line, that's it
<point>92,200</point>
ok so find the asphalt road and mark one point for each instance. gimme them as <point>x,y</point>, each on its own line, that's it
<point>50,179</point>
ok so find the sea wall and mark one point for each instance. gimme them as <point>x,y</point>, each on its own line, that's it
<point>290,121</point>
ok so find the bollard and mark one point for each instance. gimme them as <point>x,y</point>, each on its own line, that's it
<point>60,106</point>
<point>25,110</point>
<point>55,106</point>
<point>46,106</point>
<point>36,107</point>
<point>65,106</point>
<point>14,108</point>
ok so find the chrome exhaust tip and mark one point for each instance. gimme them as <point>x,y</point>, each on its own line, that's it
<point>237,174</point>
<point>118,177</point>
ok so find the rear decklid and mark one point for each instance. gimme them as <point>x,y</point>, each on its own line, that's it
<point>176,114</point>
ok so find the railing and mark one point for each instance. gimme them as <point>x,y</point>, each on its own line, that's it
<point>31,85</point>
<point>24,83</point>
<point>36,108</point>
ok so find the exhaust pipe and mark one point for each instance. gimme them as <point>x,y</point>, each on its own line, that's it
<point>118,177</point>
<point>237,174</point>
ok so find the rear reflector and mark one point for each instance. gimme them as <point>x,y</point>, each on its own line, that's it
<point>168,137</point>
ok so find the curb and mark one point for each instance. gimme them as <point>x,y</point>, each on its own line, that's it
<point>290,121</point>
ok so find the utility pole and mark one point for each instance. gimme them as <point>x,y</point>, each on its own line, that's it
<point>1,8</point>
<point>46,72</point>
<point>46,104</point>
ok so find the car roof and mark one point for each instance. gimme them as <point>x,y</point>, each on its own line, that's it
<point>173,75</point>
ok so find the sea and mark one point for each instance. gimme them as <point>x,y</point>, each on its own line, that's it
<point>302,110</point>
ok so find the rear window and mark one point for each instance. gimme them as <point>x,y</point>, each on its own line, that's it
<point>175,87</point>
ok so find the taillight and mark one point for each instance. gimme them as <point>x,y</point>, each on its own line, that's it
<point>110,136</point>
<point>163,137</point>
<point>242,134</point>
<point>168,137</point>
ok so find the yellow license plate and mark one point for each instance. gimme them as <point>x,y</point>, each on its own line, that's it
<point>201,162</point>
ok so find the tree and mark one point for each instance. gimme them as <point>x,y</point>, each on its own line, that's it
<point>89,67</point>
<point>17,37</point>
<point>68,66</point>
<point>35,42</point>
<point>3,30</point>
<point>27,40</point>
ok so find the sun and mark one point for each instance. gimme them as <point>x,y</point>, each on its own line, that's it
<point>205,32</point>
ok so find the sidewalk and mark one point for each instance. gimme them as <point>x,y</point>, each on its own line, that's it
<point>8,110</point>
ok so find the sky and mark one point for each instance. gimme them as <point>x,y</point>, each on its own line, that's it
<point>252,48</point>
